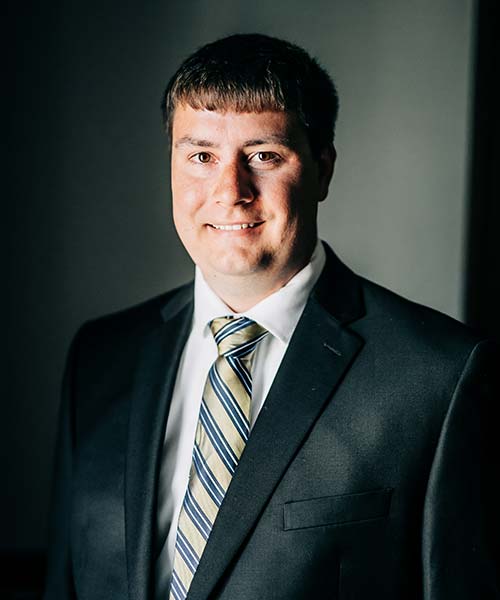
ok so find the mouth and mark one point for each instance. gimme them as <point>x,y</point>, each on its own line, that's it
<point>234,226</point>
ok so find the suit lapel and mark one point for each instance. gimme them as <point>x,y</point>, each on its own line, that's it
<point>154,381</point>
<point>319,354</point>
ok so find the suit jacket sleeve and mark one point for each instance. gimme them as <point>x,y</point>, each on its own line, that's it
<point>461,525</point>
<point>59,580</point>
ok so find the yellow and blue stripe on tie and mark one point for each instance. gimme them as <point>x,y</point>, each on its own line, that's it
<point>221,435</point>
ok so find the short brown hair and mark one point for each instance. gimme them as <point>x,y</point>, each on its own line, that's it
<point>254,73</point>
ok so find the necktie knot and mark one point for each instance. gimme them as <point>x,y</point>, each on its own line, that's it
<point>236,337</point>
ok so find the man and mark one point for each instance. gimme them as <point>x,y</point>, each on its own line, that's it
<point>283,428</point>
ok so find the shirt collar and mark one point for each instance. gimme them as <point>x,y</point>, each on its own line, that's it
<point>279,313</point>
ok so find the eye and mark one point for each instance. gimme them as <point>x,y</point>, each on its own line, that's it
<point>267,156</point>
<point>202,157</point>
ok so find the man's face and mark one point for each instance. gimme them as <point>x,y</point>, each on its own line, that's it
<point>245,192</point>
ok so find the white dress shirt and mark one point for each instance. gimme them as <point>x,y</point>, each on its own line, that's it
<point>279,313</point>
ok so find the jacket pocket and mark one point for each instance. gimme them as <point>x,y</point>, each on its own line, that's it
<point>337,510</point>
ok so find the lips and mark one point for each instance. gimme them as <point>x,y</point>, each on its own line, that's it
<point>234,226</point>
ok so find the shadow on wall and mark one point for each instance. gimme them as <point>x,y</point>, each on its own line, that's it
<point>22,575</point>
<point>482,291</point>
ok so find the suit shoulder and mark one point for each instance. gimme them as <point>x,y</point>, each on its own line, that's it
<point>421,324</point>
<point>137,319</point>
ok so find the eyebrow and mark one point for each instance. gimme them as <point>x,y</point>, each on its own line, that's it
<point>282,140</point>
<point>187,140</point>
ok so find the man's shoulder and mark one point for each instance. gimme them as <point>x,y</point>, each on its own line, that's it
<point>378,313</point>
<point>404,322</point>
<point>138,319</point>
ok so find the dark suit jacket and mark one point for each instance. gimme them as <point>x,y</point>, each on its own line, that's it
<point>360,479</point>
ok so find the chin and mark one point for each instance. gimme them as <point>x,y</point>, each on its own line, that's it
<point>235,269</point>
<point>234,263</point>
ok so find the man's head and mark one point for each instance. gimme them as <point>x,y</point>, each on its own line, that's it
<point>251,121</point>
<point>256,73</point>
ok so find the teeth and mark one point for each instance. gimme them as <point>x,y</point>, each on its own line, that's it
<point>234,227</point>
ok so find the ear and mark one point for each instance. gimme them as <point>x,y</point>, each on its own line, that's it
<point>326,164</point>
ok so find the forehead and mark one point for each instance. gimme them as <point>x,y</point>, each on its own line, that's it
<point>281,127</point>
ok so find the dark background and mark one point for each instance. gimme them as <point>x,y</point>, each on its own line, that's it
<point>86,213</point>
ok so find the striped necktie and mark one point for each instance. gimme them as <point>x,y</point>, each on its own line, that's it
<point>221,434</point>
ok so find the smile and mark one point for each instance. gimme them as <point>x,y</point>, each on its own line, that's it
<point>234,227</point>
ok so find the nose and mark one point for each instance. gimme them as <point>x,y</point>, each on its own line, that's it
<point>233,185</point>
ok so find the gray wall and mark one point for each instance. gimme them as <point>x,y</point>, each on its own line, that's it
<point>89,221</point>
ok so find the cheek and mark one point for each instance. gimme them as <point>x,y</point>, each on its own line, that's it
<point>187,199</point>
<point>303,199</point>
<point>290,189</point>
<point>184,185</point>
<point>288,207</point>
<point>297,215</point>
